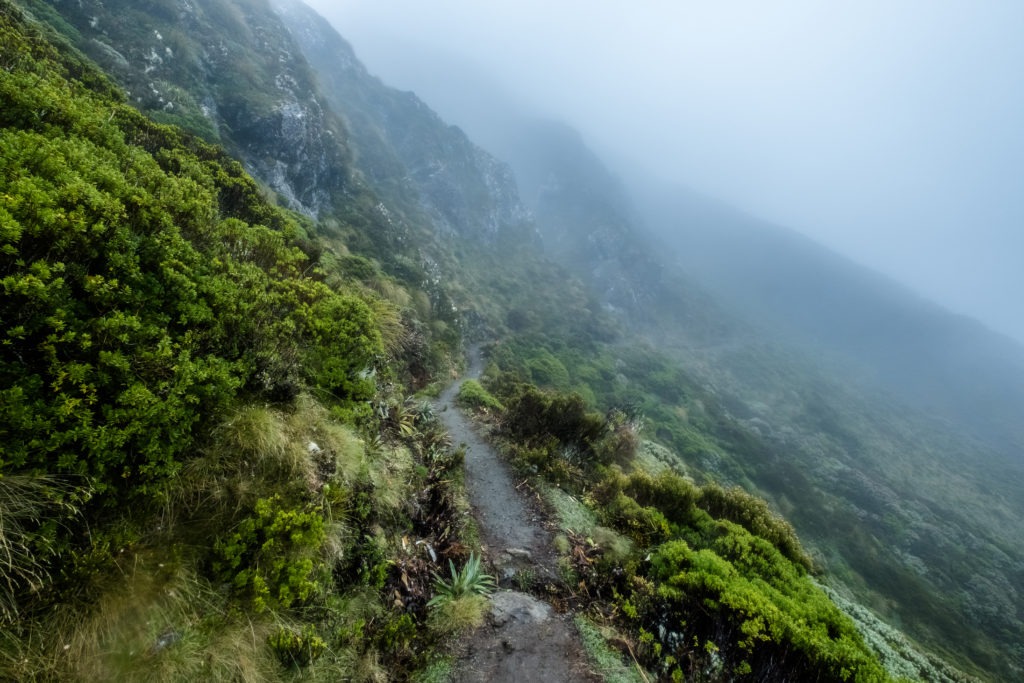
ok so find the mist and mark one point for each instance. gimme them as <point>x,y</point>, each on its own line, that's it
<point>888,132</point>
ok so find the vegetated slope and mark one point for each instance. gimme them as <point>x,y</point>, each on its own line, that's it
<point>570,211</point>
<point>233,72</point>
<point>907,510</point>
<point>945,364</point>
<point>556,328</point>
<point>225,71</point>
<point>206,471</point>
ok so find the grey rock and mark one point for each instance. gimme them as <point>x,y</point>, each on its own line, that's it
<point>512,606</point>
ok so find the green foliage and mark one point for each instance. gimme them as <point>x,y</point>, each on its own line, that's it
<point>472,395</point>
<point>755,516</point>
<point>776,617</point>
<point>146,285</point>
<point>269,558</point>
<point>471,580</point>
<point>535,414</point>
<point>297,648</point>
<point>547,371</point>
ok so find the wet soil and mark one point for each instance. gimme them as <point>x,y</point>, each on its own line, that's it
<point>524,639</point>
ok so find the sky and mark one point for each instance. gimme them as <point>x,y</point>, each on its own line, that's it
<point>890,131</point>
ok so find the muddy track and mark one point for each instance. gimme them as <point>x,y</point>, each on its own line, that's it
<point>523,639</point>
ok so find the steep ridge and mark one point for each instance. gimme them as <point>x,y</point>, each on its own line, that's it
<point>927,437</point>
<point>406,151</point>
<point>226,71</point>
<point>469,195</point>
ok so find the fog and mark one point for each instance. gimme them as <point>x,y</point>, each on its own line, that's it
<point>890,132</point>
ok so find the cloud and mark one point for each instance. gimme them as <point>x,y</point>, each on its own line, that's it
<point>888,131</point>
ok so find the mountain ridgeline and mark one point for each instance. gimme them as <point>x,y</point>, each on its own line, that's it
<point>211,372</point>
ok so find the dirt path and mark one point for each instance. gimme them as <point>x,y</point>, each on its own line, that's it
<point>524,639</point>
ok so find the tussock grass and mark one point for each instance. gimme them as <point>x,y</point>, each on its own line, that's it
<point>260,449</point>
<point>574,515</point>
<point>254,431</point>
<point>27,502</point>
<point>451,617</point>
<point>391,472</point>
<point>155,623</point>
<point>389,290</point>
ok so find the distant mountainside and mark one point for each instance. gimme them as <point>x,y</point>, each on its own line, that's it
<point>750,356</point>
<point>912,408</point>
<point>943,364</point>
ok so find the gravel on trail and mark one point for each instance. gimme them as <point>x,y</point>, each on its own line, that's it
<point>523,638</point>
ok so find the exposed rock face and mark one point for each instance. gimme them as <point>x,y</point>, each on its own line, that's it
<point>463,189</point>
<point>229,72</point>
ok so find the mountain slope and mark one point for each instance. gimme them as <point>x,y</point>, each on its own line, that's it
<point>226,71</point>
<point>814,419</point>
<point>395,183</point>
<point>406,151</point>
<point>944,364</point>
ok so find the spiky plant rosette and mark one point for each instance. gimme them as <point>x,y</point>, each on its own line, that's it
<point>472,580</point>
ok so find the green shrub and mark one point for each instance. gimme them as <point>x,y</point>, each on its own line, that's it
<point>753,514</point>
<point>473,395</point>
<point>268,557</point>
<point>297,648</point>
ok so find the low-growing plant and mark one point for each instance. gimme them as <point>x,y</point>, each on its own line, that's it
<point>297,648</point>
<point>471,580</point>
<point>267,557</point>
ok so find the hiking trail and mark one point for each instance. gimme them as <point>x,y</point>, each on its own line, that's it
<point>523,639</point>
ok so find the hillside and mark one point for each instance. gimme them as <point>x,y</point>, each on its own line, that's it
<point>217,377</point>
<point>880,424</point>
<point>946,365</point>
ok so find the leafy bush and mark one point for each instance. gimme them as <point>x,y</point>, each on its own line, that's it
<point>536,415</point>
<point>268,557</point>
<point>297,648</point>
<point>753,514</point>
<point>473,395</point>
<point>757,610</point>
<point>146,285</point>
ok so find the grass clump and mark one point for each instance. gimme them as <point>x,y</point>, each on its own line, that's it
<point>438,671</point>
<point>455,615</point>
<point>27,502</point>
<point>609,664</point>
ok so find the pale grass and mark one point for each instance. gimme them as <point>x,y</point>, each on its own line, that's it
<point>574,515</point>
<point>391,473</point>
<point>452,617</point>
<point>612,667</point>
<point>259,449</point>
<point>26,502</point>
<point>391,291</point>
<point>155,623</point>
